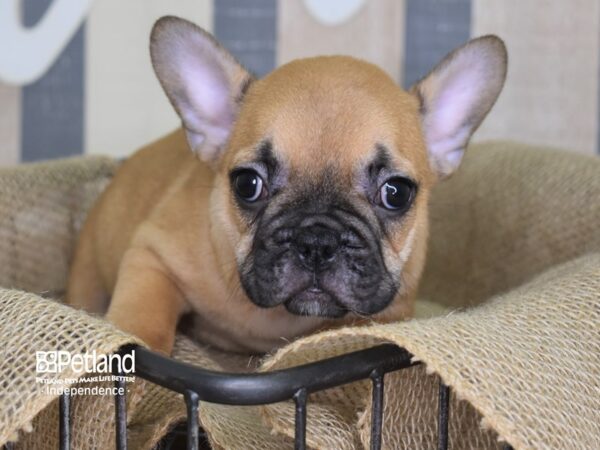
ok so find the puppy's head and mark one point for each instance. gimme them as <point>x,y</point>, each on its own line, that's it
<point>324,167</point>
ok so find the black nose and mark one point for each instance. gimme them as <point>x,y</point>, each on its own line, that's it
<point>316,246</point>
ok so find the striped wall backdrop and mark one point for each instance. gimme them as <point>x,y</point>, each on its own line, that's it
<point>75,75</point>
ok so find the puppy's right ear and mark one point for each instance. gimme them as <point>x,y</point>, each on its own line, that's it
<point>203,81</point>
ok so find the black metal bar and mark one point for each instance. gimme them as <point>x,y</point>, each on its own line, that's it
<point>377,410</point>
<point>64,414</point>
<point>443,414</point>
<point>191,403</point>
<point>300,398</point>
<point>121,412</point>
<point>268,387</point>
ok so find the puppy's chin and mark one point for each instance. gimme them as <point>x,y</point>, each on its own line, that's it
<point>313,302</point>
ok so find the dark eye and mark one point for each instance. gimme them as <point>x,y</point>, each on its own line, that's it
<point>397,194</point>
<point>248,185</point>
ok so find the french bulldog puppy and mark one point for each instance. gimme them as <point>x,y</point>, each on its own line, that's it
<point>283,205</point>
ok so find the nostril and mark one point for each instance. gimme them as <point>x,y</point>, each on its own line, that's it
<point>327,253</point>
<point>305,251</point>
<point>316,245</point>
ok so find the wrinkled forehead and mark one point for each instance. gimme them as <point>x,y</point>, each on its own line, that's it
<point>330,123</point>
<point>329,132</point>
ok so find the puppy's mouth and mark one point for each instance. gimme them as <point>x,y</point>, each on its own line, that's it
<point>315,302</point>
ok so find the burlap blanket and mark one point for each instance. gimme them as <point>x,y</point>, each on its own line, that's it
<point>514,263</point>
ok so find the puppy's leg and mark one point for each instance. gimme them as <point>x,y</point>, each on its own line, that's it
<point>146,302</point>
<point>85,289</point>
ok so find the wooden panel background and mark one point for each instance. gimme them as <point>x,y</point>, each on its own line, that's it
<point>10,124</point>
<point>551,94</point>
<point>374,33</point>
<point>125,105</point>
<point>52,112</point>
<point>105,98</point>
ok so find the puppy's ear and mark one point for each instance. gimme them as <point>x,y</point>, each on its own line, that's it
<point>203,81</point>
<point>456,96</point>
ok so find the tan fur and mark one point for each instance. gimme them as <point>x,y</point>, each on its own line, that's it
<point>165,237</point>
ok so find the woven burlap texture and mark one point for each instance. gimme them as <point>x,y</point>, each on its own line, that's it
<point>515,231</point>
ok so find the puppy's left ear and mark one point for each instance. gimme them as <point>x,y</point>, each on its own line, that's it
<point>456,96</point>
<point>203,81</point>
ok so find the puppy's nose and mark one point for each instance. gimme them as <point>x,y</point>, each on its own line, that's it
<point>316,246</point>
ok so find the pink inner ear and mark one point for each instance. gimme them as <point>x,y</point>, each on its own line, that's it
<point>448,126</point>
<point>207,94</point>
<point>453,106</point>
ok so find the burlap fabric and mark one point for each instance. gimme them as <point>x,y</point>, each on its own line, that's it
<point>515,232</point>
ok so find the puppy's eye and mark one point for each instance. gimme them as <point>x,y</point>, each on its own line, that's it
<point>396,194</point>
<point>248,185</point>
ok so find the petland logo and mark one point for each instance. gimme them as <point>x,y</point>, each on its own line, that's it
<point>59,360</point>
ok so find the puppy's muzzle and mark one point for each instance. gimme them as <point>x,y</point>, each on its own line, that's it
<point>316,246</point>
<point>317,264</point>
